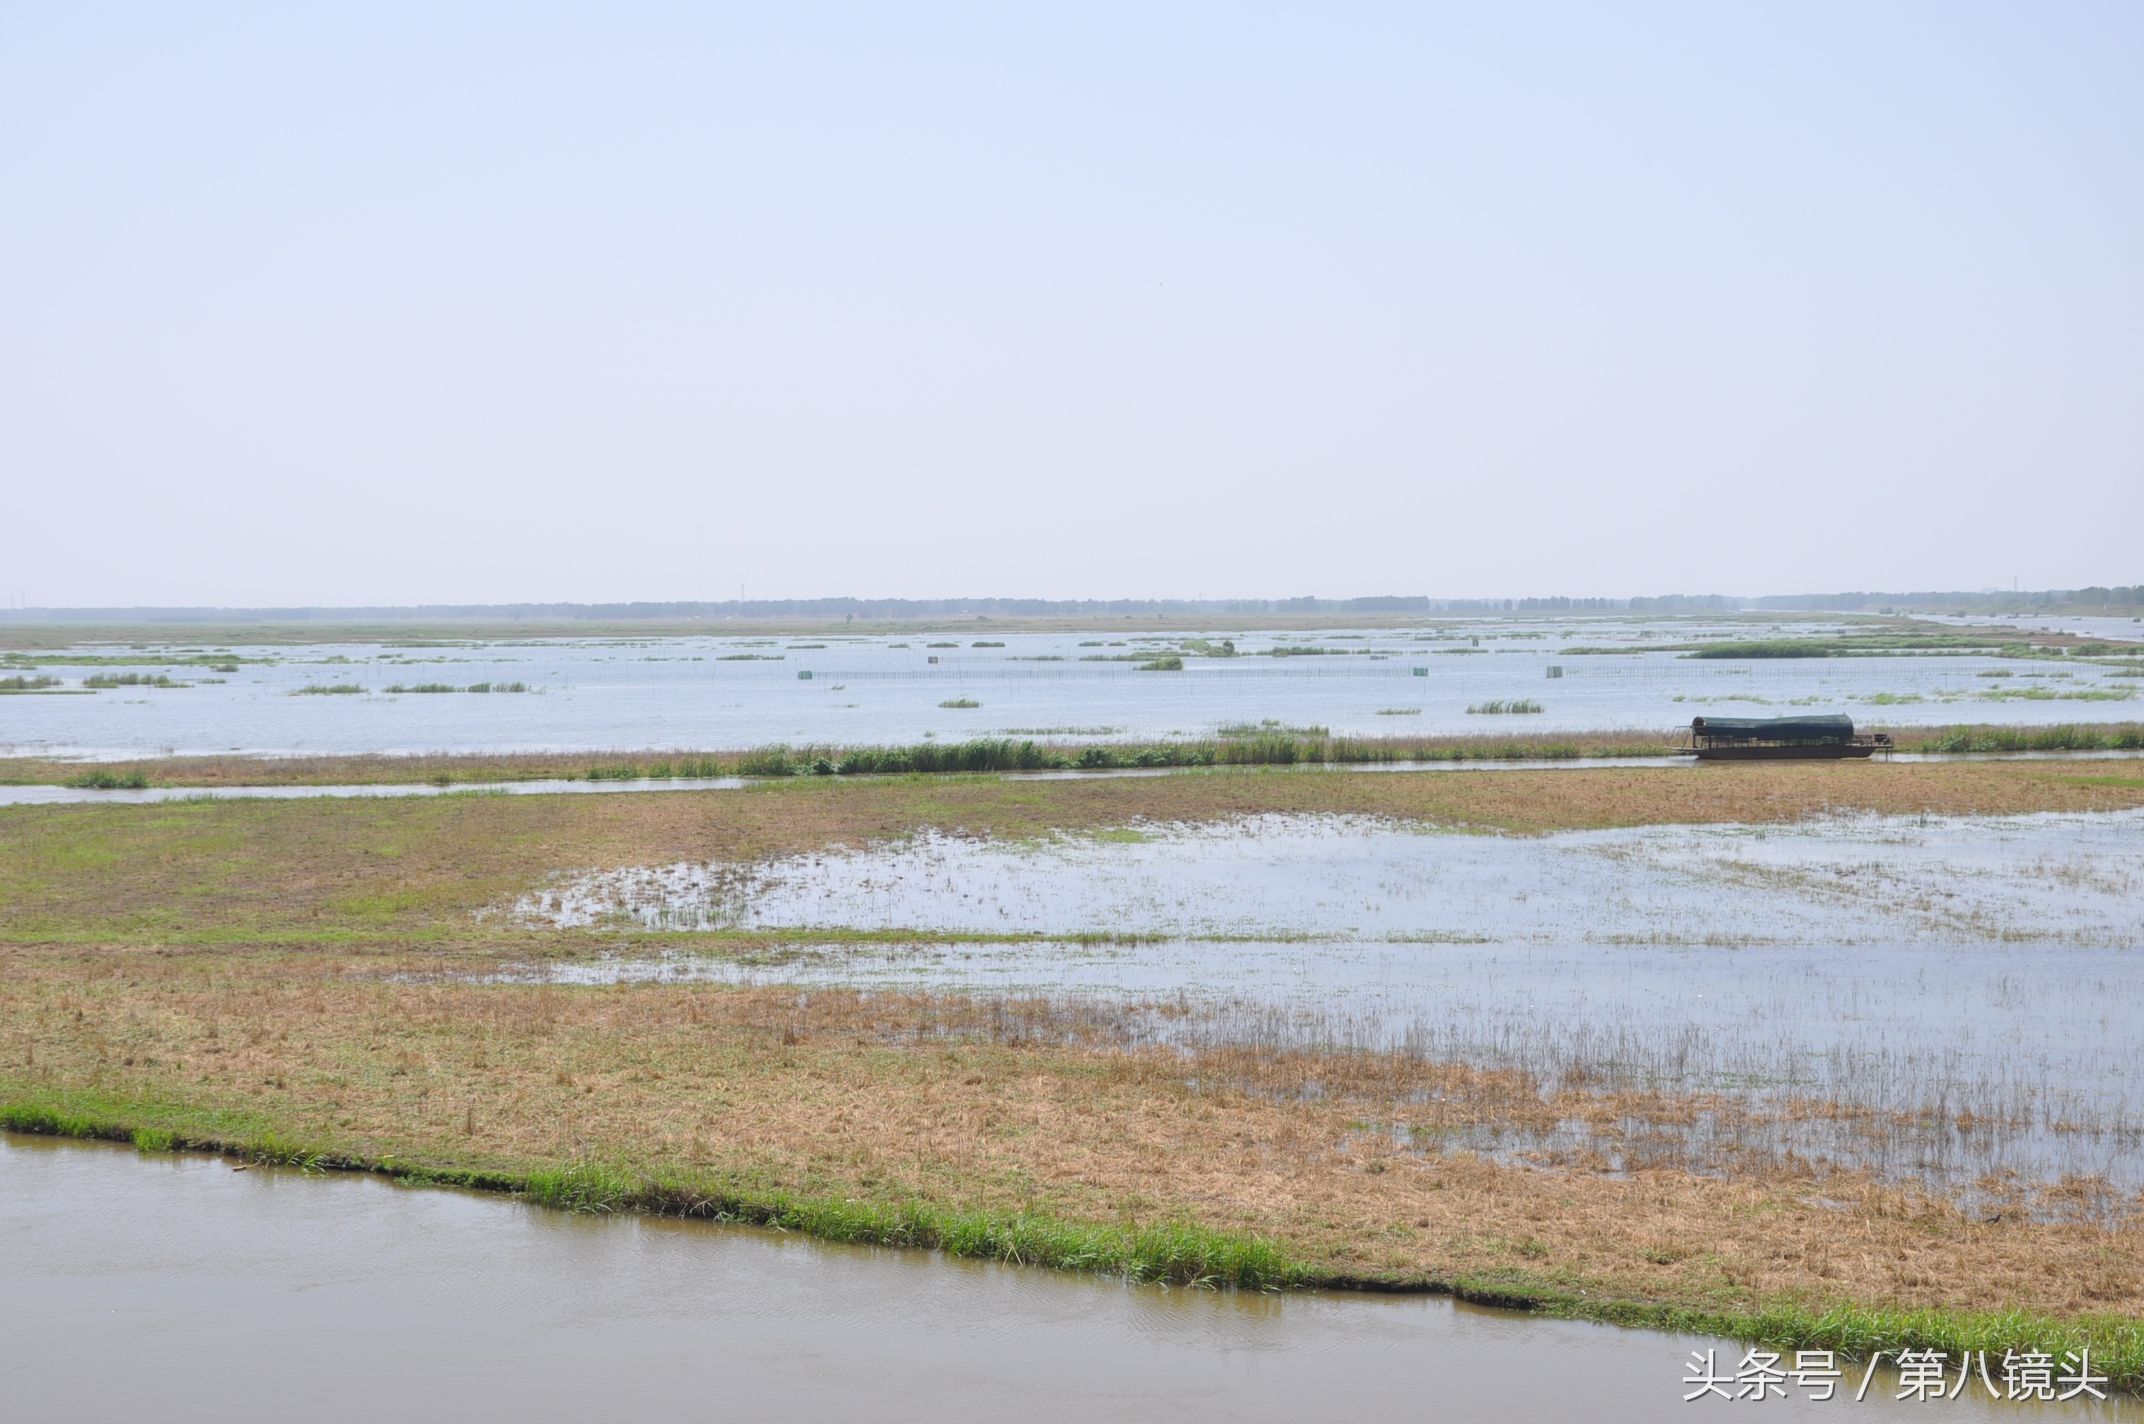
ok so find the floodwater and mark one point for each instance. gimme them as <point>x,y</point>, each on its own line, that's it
<point>591,695</point>
<point>2040,878</point>
<point>1971,985</point>
<point>174,1288</point>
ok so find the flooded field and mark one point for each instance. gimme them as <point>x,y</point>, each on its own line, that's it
<point>2070,879</point>
<point>597,695</point>
<point>197,1276</point>
<point>1945,1001</point>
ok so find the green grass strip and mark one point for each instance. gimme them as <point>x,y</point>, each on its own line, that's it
<point>1179,1253</point>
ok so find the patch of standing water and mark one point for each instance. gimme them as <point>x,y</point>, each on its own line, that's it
<point>140,1287</point>
<point>2044,879</point>
<point>1927,1068</point>
<point>1959,997</point>
<point>594,695</point>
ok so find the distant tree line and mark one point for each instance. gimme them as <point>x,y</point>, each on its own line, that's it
<point>1957,601</point>
<point>897,609</point>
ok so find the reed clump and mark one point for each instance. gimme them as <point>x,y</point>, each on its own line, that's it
<point>103,779</point>
<point>2066,737</point>
<point>129,679</point>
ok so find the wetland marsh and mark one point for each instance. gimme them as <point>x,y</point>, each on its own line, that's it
<point>1574,675</point>
<point>1544,1036</point>
<point>1554,1036</point>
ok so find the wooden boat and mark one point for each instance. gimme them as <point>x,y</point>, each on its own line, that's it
<point>1823,738</point>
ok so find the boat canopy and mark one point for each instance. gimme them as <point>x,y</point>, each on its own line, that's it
<point>1830,728</point>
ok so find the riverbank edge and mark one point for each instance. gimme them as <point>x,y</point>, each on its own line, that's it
<point>1279,748</point>
<point>1181,1253</point>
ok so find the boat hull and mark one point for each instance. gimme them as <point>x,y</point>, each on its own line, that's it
<point>1815,752</point>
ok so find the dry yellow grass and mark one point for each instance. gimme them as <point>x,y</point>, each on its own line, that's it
<point>399,867</point>
<point>971,1105</point>
<point>258,963</point>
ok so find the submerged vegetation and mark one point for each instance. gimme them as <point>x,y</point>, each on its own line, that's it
<point>570,1097</point>
<point>328,985</point>
<point>334,1001</point>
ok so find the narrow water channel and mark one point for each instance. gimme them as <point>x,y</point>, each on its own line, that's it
<point>175,1288</point>
<point>48,795</point>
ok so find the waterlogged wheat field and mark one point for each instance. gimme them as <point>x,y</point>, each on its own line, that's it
<point>1951,1002</point>
<point>1766,1049</point>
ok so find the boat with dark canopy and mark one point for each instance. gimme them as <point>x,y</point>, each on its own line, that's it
<point>1829,736</point>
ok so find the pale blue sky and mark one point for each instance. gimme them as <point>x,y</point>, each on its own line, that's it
<point>485,302</point>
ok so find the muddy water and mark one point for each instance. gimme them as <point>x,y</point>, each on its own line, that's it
<point>174,1288</point>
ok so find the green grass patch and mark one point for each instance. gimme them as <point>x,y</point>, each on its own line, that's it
<point>2061,694</point>
<point>102,779</point>
<point>1181,1252</point>
<point>2067,737</point>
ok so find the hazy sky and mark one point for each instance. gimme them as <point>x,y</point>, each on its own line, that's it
<point>384,303</point>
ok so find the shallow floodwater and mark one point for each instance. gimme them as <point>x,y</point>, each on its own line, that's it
<point>1970,986</point>
<point>589,695</point>
<point>2075,879</point>
<point>174,1288</point>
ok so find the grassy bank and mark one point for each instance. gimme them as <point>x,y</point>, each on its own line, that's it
<point>420,868</point>
<point>1181,1252</point>
<point>847,1120</point>
<point>309,982</point>
<point>1250,746</point>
